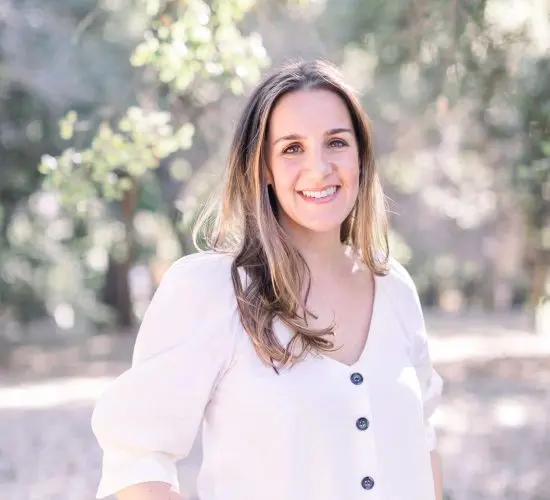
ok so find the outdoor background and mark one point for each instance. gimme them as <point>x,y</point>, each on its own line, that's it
<point>115,117</point>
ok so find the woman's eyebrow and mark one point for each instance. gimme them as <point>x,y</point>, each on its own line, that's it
<point>338,130</point>
<point>290,137</point>
<point>298,137</point>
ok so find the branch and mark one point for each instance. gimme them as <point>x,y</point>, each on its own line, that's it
<point>84,24</point>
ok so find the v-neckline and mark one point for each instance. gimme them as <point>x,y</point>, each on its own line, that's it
<point>371,329</point>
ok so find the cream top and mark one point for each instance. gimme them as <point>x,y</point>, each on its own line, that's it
<point>321,430</point>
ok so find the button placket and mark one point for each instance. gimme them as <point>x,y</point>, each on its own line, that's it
<point>362,424</point>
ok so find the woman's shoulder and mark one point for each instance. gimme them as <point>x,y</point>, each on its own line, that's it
<point>399,276</point>
<point>400,287</point>
<point>395,275</point>
<point>194,295</point>
<point>206,259</point>
<point>202,278</point>
<point>205,269</point>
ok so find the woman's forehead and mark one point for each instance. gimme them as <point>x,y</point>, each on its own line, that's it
<point>309,112</point>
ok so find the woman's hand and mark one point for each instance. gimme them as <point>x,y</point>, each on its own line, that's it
<point>149,491</point>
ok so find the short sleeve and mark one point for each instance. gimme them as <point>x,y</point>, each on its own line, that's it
<point>149,416</point>
<point>431,383</point>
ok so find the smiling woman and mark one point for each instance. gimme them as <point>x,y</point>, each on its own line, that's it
<point>295,341</point>
<point>318,166</point>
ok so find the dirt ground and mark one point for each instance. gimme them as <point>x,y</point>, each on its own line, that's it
<point>493,424</point>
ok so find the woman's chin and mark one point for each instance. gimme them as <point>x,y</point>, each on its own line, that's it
<point>320,223</point>
<point>320,226</point>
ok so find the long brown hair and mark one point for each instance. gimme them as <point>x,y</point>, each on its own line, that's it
<point>245,222</point>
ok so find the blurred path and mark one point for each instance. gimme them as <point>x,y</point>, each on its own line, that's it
<point>494,423</point>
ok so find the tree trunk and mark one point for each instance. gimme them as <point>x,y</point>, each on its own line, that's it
<point>540,298</point>
<point>116,291</point>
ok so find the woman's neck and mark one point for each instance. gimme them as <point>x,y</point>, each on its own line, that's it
<point>324,253</point>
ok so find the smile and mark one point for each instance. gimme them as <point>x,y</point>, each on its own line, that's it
<point>326,194</point>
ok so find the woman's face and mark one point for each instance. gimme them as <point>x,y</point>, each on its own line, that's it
<point>313,160</point>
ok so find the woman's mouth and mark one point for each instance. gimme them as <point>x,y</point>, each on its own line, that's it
<point>319,195</point>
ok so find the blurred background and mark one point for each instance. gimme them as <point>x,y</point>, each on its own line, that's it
<point>115,117</point>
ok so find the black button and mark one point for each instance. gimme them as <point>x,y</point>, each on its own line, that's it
<point>362,424</point>
<point>367,483</point>
<point>356,378</point>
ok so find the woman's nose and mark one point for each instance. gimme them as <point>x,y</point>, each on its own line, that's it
<point>319,163</point>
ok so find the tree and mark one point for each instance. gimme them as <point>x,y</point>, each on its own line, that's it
<point>532,177</point>
<point>42,251</point>
<point>441,81</point>
<point>191,52</point>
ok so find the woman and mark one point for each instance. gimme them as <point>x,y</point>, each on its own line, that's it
<point>295,342</point>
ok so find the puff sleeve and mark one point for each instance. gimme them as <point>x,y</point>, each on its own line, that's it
<point>412,317</point>
<point>149,416</point>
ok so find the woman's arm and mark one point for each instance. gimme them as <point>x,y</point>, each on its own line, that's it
<point>436,470</point>
<point>148,418</point>
<point>149,491</point>
<point>431,384</point>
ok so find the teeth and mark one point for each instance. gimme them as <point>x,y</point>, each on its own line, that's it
<point>320,194</point>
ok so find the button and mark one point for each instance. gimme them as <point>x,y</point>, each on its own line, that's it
<point>367,483</point>
<point>356,378</point>
<point>362,424</point>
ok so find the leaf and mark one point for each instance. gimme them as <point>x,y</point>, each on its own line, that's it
<point>185,135</point>
<point>66,130</point>
<point>125,183</point>
<point>152,7</point>
<point>237,86</point>
<point>48,164</point>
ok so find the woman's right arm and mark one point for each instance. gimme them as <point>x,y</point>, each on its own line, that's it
<point>149,416</point>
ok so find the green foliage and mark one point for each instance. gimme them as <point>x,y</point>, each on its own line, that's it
<point>532,174</point>
<point>187,44</point>
<point>459,93</point>
<point>52,265</point>
<point>132,94</point>
<point>192,40</point>
<point>114,156</point>
<point>116,94</point>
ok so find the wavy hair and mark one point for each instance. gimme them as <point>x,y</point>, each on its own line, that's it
<point>244,221</point>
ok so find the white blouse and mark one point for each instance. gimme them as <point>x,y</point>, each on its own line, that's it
<point>320,430</point>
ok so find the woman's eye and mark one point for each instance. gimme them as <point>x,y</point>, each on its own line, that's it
<point>338,143</point>
<point>292,149</point>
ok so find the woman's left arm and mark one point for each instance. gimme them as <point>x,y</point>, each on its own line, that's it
<point>436,470</point>
<point>431,384</point>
